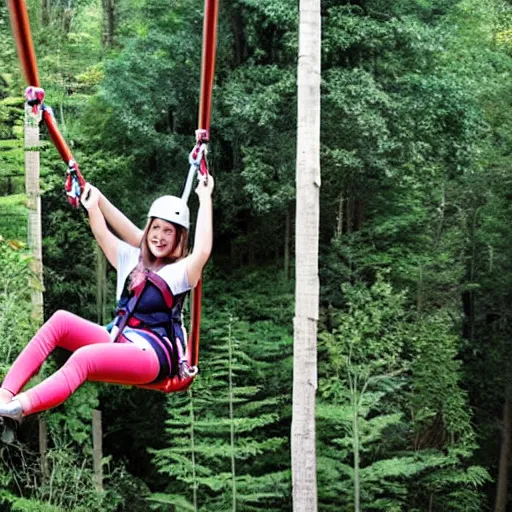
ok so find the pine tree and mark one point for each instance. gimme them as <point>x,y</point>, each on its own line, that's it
<point>396,431</point>
<point>218,434</point>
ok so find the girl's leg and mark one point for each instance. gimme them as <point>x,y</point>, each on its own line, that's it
<point>121,363</point>
<point>64,330</point>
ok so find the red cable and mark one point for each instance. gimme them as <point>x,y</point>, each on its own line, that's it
<point>23,38</point>
<point>211,12</point>
<point>57,138</point>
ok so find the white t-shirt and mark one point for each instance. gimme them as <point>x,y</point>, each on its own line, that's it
<point>174,274</point>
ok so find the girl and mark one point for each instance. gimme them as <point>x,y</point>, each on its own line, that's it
<point>146,345</point>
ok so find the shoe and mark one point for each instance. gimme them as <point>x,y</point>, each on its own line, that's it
<point>12,410</point>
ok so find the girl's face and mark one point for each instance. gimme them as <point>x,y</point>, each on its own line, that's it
<point>161,238</point>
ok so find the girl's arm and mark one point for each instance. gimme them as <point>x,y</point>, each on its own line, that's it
<point>203,239</point>
<point>121,224</point>
<point>105,238</point>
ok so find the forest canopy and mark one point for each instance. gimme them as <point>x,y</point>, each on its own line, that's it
<point>415,252</point>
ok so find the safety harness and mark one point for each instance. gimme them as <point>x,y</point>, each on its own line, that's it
<point>155,312</point>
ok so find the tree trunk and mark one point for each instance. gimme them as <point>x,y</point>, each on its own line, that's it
<point>287,233</point>
<point>193,449</point>
<point>67,16</point>
<point>502,486</point>
<point>303,436</point>
<point>441,209</point>
<point>43,447</point>
<point>108,22</point>
<point>45,10</point>
<point>239,39</point>
<point>472,274</point>
<point>232,422</point>
<point>339,224</point>
<point>350,212</point>
<point>97,449</point>
<point>419,290</point>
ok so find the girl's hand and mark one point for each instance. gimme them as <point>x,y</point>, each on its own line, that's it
<point>205,186</point>
<point>90,197</point>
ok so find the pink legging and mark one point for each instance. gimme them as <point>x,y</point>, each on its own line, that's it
<point>94,358</point>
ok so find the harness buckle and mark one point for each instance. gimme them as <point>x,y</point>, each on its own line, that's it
<point>188,371</point>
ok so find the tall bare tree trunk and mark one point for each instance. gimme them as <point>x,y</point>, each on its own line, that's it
<point>97,449</point>
<point>35,242</point>
<point>43,447</point>
<point>339,223</point>
<point>193,450</point>
<point>45,10</point>
<point>502,486</point>
<point>287,233</point>
<point>108,22</point>
<point>303,436</point>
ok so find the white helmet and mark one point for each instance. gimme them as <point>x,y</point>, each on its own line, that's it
<point>172,209</point>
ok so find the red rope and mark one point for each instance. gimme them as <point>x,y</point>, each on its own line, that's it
<point>211,12</point>
<point>25,47</point>
<point>57,138</point>
<point>23,39</point>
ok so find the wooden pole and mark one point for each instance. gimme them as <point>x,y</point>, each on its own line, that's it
<point>43,447</point>
<point>97,447</point>
<point>35,243</point>
<point>34,231</point>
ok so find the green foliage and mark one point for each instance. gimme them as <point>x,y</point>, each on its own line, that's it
<point>16,325</point>
<point>393,416</point>
<point>26,505</point>
<point>70,485</point>
<point>416,136</point>
<point>221,453</point>
<point>13,217</point>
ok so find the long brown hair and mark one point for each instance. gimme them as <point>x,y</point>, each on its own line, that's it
<point>146,258</point>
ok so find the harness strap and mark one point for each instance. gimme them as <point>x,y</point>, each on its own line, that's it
<point>126,313</point>
<point>160,283</point>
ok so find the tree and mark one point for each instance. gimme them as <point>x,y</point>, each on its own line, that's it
<point>220,434</point>
<point>306,253</point>
<point>394,419</point>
